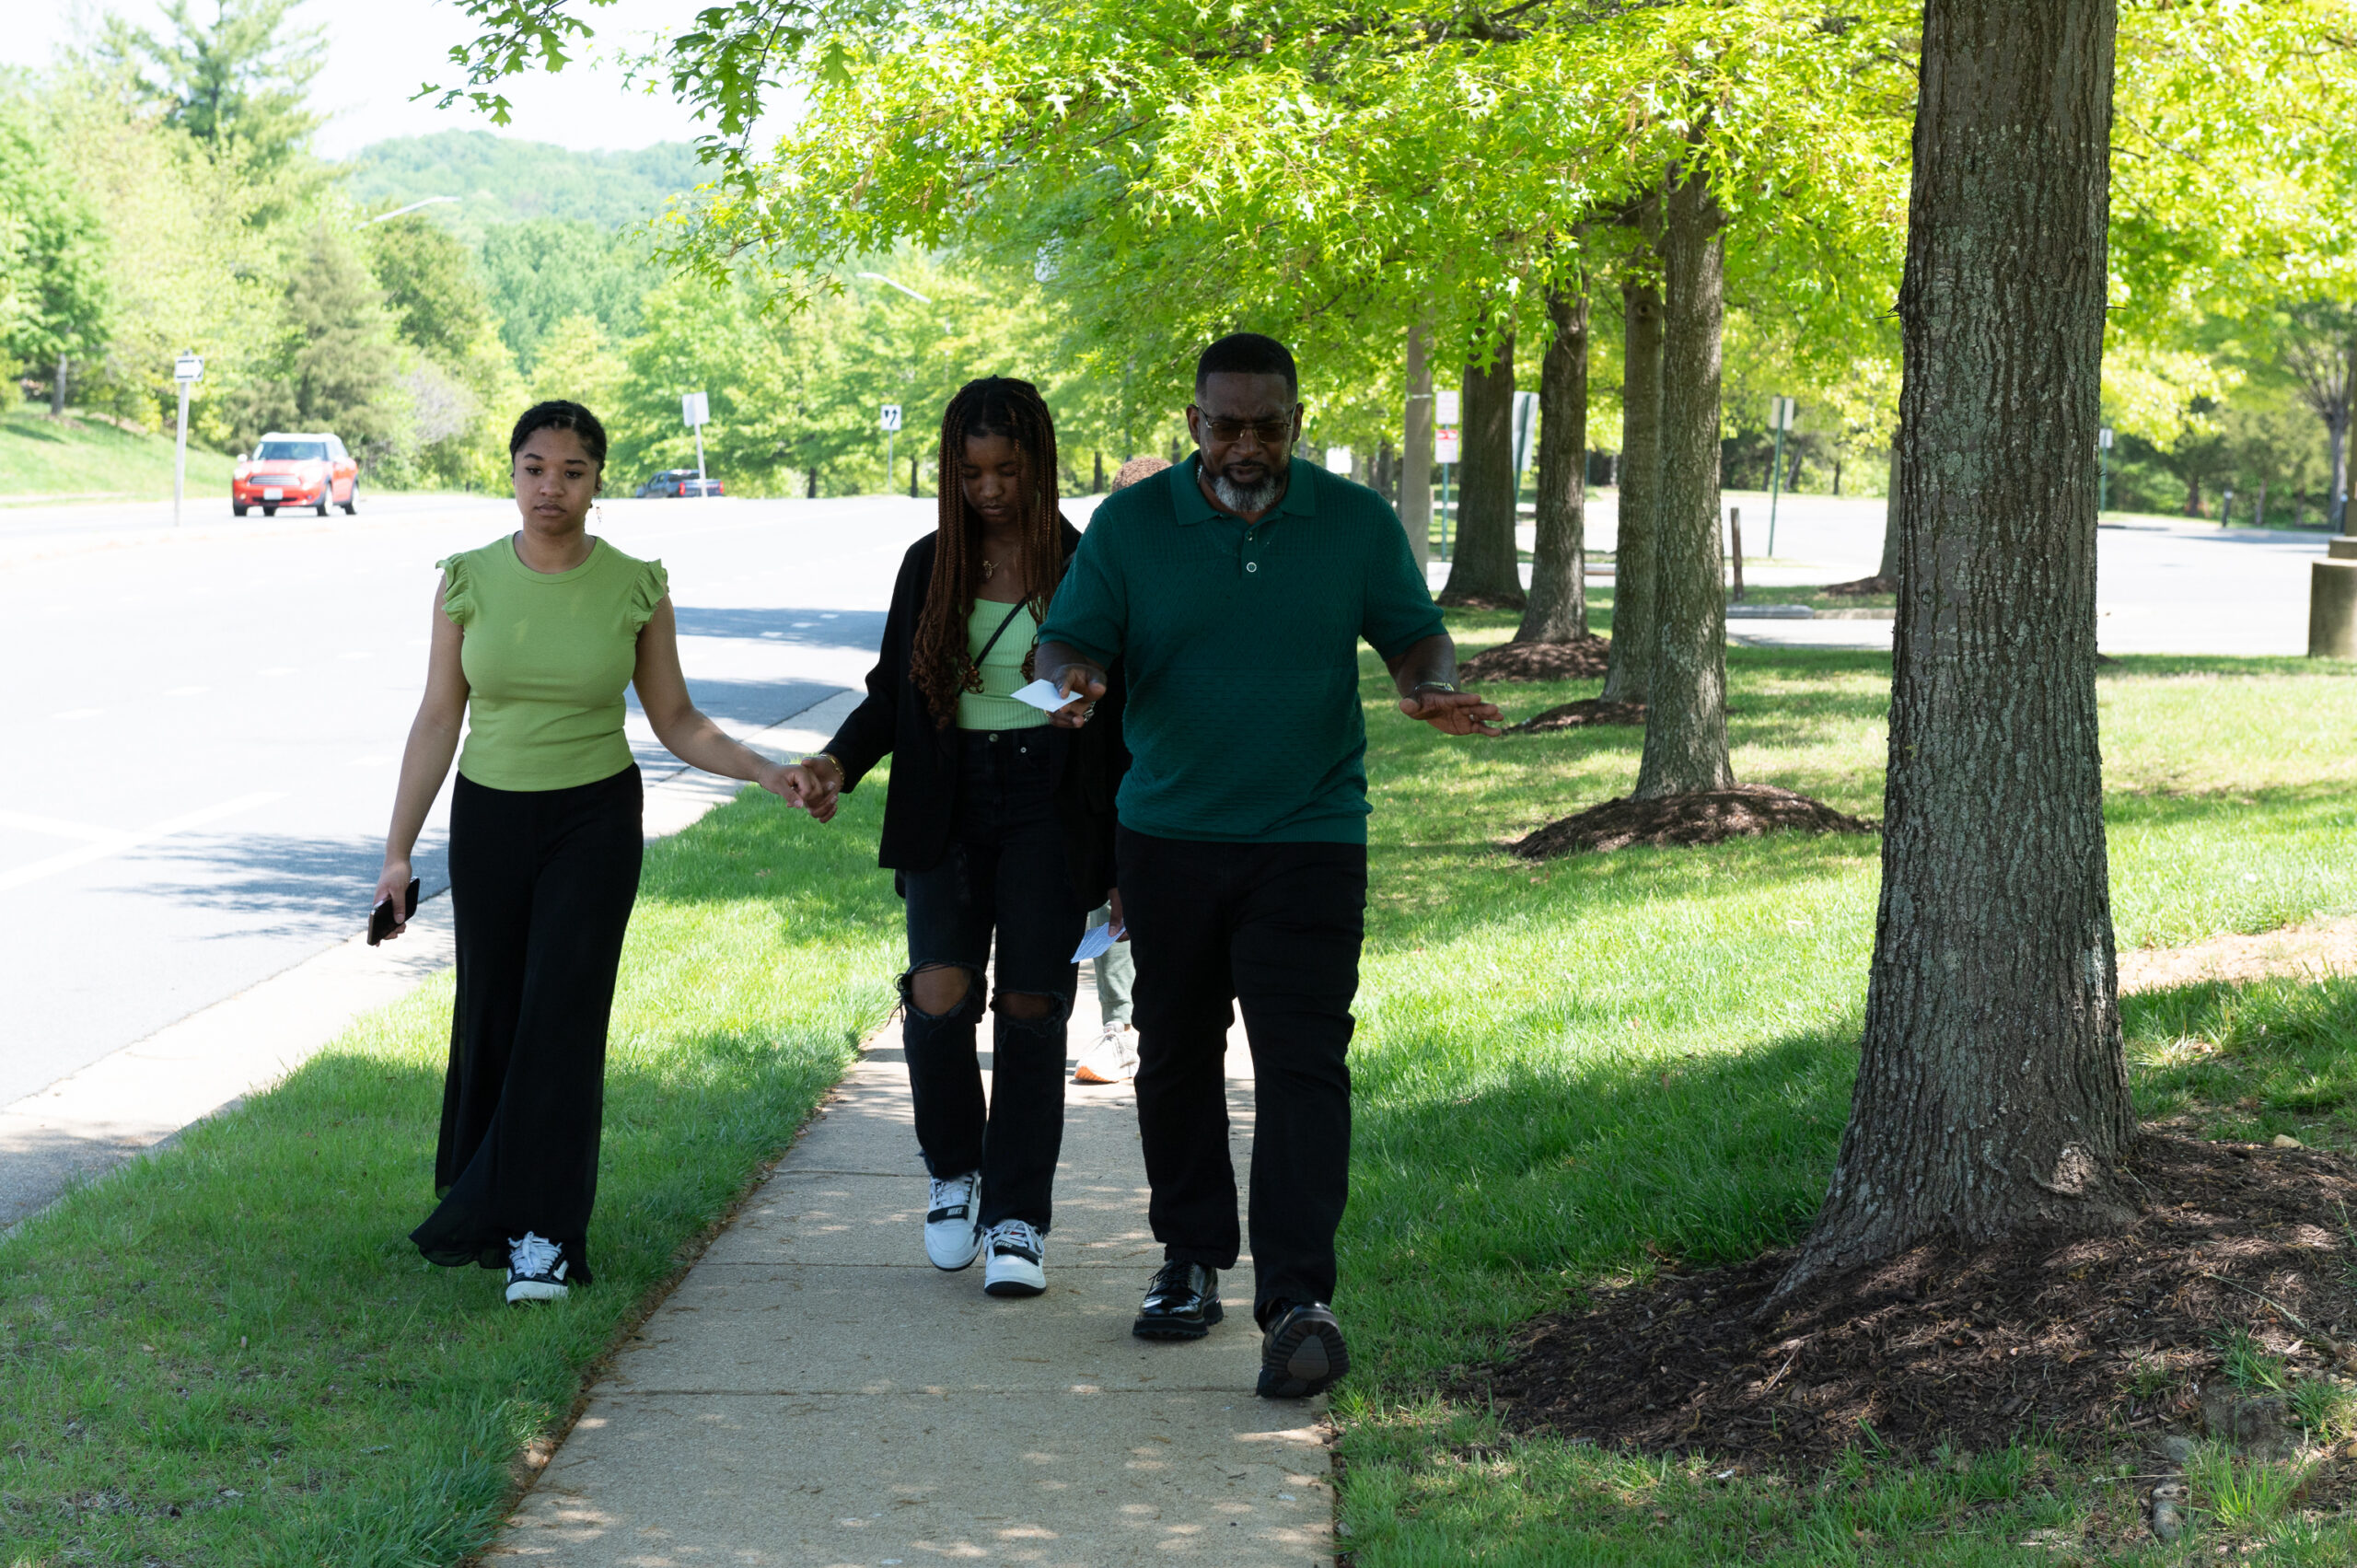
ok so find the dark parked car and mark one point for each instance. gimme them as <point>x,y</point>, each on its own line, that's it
<point>680,481</point>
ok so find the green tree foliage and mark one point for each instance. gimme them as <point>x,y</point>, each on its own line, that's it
<point>334,354</point>
<point>237,84</point>
<point>541,270</point>
<point>55,291</point>
<point>431,285</point>
<point>499,181</point>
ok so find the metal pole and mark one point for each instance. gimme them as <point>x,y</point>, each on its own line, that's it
<point>888,437</point>
<point>1445,470</point>
<point>2103,479</point>
<point>179,459</point>
<point>1775,482</point>
<point>703,487</point>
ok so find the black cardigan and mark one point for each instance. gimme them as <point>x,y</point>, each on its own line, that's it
<point>921,801</point>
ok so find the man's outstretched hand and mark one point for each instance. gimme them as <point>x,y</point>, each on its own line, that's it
<point>1452,713</point>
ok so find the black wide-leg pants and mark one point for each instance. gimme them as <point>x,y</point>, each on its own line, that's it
<point>1277,927</point>
<point>541,882</point>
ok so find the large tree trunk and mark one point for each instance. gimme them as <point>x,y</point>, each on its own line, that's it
<point>1991,1091</point>
<point>1686,708</point>
<point>1416,450</point>
<point>1627,674</point>
<point>1558,609</point>
<point>1485,568</point>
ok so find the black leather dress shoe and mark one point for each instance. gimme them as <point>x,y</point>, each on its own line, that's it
<point>1302,1353</point>
<point>1181,1304</point>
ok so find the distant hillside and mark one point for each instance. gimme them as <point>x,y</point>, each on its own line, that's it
<point>501,180</point>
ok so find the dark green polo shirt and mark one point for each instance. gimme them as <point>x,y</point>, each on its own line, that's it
<point>1241,645</point>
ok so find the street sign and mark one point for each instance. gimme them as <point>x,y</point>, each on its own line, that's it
<point>694,410</point>
<point>2103,437</point>
<point>188,367</point>
<point>1447,445</point>
<point>1447,408</point>
<point>1782,415</point>
<point>891,417</point>
<point>1525,421</point>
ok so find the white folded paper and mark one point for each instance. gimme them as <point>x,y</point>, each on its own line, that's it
<point>1045,695</point>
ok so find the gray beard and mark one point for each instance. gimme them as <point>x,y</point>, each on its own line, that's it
<point>1250,498</point>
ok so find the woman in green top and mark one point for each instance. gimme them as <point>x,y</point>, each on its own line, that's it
<point>535,637</point>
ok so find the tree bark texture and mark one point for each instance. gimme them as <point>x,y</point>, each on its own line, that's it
<point>1991,1093</point>
<point>1557,611</point>
<point>1686,706</point>
<point>1627,674</point>
<point>1416,450</point>
<point>1888,570</point>
<point>1484,564</point>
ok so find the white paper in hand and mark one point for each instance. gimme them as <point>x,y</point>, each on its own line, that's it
<point>1099,939</point>
<point>1045,695</point>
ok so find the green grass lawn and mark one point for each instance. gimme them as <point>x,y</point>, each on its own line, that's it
<point>1573,1073</point>
<point>46,459</point>
<point>229,1354</point>
<point>1567,1073</point>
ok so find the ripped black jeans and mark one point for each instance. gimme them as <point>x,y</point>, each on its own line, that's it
<point>1004,875</point>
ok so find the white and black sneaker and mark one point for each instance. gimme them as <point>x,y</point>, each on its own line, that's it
<point>535,1271</point>
<point>1013,1267</point>
<point>953,1221</point>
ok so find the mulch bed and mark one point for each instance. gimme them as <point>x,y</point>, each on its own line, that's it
<point>1702,817</point>
<point>1583,660</point>
<point>1577,715</point>
<point>1447,600</point>
<point>1862,586</point>
<point>2098,1344</point>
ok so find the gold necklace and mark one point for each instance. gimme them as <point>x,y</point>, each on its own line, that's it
<point>988,567</point>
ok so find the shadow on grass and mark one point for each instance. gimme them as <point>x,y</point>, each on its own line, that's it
<point>230,1353</point>
<point>2248,1059</point>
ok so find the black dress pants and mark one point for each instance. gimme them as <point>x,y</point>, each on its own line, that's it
<point>541,882</point>
<point>1277,928</point>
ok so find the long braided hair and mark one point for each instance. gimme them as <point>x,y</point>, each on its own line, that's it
<point>995,405</point>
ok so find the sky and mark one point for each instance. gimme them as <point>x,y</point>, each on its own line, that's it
<point>379,51</point>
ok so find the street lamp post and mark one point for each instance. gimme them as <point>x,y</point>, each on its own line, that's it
<point>1782,412</point>
<point>2103,470</point>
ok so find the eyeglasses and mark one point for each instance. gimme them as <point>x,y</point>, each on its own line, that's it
<point>1268,432</point>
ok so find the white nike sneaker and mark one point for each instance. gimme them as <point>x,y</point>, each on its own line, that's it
<point>535,1270</point>
<point>1112,1060</point>
<point>1012,1266</point>
<point>953,1222</point>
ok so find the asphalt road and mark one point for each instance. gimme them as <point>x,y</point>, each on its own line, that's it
<point>203,752</point>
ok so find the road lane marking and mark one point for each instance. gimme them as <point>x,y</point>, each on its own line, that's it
<point>58,827</point>
<point>120,842</point>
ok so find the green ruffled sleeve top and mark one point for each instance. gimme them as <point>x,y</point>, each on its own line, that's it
<point>547,657</point>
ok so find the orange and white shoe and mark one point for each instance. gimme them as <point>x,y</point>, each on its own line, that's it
<point>1112,1060</point>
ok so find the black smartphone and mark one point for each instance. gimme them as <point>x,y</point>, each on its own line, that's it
<point>381,920</point>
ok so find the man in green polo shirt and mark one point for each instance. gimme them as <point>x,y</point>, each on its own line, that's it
<point>1234,588</point>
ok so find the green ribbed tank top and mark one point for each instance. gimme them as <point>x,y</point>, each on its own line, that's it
<point>1001,670</point>
<point>547,657</point>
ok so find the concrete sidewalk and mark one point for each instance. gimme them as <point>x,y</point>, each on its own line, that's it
<point>815,1393</point>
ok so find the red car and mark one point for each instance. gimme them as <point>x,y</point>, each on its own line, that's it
<point>296,470</point>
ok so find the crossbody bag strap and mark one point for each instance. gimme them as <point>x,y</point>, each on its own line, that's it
<point>1012,611</point>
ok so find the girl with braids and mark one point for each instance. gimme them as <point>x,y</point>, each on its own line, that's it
<point>999,825</point>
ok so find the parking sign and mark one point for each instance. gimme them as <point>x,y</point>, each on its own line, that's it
<point>694,410</point>
<point>891,416</point>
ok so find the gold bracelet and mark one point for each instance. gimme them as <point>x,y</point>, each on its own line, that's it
<point>842,775</point>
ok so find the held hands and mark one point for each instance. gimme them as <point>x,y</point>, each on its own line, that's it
<point>812,784</point>
<point>1451,713</point>
<point>1081,680</point>
<point>392,883</point>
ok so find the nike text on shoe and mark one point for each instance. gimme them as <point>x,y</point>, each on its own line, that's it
<point>1302,1353</point>
<point>1011,1253</point>
<point>953,1230</point>
<point>535,1271</point>
<point>1181,1304</point>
